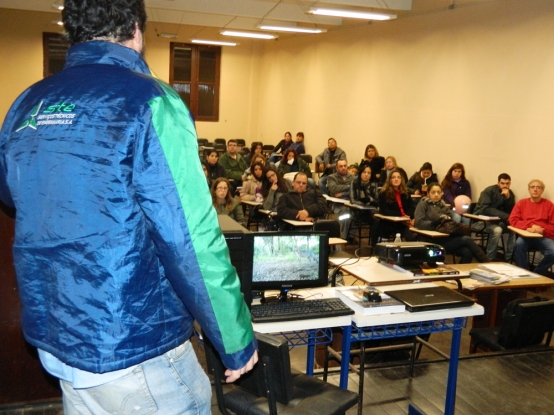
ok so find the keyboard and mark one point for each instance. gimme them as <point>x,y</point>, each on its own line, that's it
<point>299,310</point>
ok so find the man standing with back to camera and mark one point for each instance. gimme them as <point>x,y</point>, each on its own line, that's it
<point>117,248</point>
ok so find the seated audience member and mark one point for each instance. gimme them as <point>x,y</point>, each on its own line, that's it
<point>215,170</point>
<point>256,148</point>
<point>233,163</point>
<point>298,145</point>
<point>281,147</point>
<point>363,192</point>
<point>497,200</point>
<point>394,200</point>
<point>301,204</point>
<point>431,212</point>
<point>339,185</point>
<point>535,215</point>
<point>455,184</point>
<point>273,187</point>
<point>390,166</point>
<point>292,163</point>
<point>326,162</point>
<point>353,170</point>
<point>417,185</point>
<point>374,161</point>
<point>224,203</point>
<point>206,173</point>
<point>251,190</point>
<point>256,158</point>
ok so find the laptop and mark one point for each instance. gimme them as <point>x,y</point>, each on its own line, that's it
<point>432,298</point>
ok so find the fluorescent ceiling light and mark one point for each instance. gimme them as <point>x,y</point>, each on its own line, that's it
<point>213,42</point>
<point>292,29</point>
<point>248,34</point>
<point>352,14</point>
<point>169,35</point>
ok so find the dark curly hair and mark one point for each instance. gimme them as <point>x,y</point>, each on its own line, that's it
<point>86,20</point>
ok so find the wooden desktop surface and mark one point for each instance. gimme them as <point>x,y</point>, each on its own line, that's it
<point>524,233</point>
<point>371,272</point>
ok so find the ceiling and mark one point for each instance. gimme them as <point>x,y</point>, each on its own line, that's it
<point>205,18</point>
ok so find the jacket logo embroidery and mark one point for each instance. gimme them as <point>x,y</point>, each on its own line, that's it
<point>57,114</point>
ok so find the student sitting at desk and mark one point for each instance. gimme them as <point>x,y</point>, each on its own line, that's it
<point>394,200</point>
<point>363,191</point>
<point>224,204</point>
<point>374,161</point>
<point>251,190</point>
<point>390,166</point>
<point>535,215</point>
<point>431,212</point>
<point>417,185</point>
<point>273,187</point>
<point>301,204</point>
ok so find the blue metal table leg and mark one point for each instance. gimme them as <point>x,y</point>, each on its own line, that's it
<point>345,356</point>
<point>310,353</point>
<point>453,368</point>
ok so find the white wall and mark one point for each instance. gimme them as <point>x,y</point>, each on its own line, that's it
<point>471,85</point>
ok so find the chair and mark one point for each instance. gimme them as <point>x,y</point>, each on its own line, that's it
<point>307,158</point>
<point>271,387</point>
<point>220,148</point>
<point>221,141</point>
<point>480,234</point>
<point>524,323</point>
<point>267,149</point>
<point>241,142</point>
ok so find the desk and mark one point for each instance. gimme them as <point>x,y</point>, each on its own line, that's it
<point>408,324</point>
<point>524,233</point>
<point>307,332</point>
<point>371,272</point>
<point>488,294</point>
<point>298,223</point>
<point>360,328</point>
<point>430,234</point>
<point>393,218</point>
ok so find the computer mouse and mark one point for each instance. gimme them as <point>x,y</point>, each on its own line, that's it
<point>372,296</point>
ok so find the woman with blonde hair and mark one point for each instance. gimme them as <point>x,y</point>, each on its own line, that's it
<point>390,165</point>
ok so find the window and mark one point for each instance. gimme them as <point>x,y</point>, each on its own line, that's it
<point>54,48</point>
<point>194,74</point>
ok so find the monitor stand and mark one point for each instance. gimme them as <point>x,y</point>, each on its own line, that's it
<point>282,297</point>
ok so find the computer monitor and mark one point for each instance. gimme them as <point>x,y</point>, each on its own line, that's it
<point>286,261</point>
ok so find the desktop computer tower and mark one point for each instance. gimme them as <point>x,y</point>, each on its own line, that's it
<point>241,248</point>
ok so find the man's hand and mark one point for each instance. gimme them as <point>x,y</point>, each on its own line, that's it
<point>321,167</point>
<point>233,375</point>
<point>536,229</point>
<point>338,194</point>
<point>302,215</point>
<point>505,193</point>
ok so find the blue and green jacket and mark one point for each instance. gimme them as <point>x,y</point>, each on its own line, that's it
<point>117,247</point>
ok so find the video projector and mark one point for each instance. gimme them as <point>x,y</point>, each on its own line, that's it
<point>406,254</point>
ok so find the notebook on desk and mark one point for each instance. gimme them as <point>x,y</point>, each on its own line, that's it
<point>432,298</point>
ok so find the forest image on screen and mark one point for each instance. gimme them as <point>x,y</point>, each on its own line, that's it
<point>286,258</point>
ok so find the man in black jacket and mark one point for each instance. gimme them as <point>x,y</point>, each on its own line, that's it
<point>497,200</point>
<point>301,204</point>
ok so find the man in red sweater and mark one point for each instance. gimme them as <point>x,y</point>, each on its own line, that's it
<point>534,215</point>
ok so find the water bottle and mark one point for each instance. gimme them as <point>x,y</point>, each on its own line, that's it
<point>397,238</point>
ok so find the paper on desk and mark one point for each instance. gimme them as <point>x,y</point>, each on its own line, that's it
<point>489,217</point>
<point>507,270</point>
<point>467,283</point>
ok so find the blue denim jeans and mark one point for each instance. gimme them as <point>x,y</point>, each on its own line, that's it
<point>171,384</point>
<point>544,245</point>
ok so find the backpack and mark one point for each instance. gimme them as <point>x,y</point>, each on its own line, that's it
<point>507,334</point>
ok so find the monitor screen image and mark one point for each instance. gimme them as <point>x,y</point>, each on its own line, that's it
<point>288,260</point>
